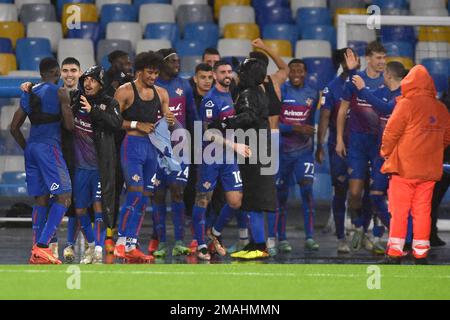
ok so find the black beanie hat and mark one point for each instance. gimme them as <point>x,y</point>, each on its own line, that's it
<point>95,72</point>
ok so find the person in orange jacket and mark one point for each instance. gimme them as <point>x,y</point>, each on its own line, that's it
<point>413,146</point>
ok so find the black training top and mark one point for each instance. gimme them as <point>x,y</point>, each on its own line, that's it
<point>143,110</point>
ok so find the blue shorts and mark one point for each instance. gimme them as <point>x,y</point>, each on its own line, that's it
<point>363,148</point>
<point>162,179</point>
<point>46,170</point>
<point>86,188</point>
<point>139,161</point>
<point>209,174</point>
<point>299,164</point>
<point>379,181</point>
<point>338,167</point>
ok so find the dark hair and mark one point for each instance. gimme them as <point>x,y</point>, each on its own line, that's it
<point>71,60</point>
<point>150,60</point>
<point>375,46</point>
<point>116,54</point>
<point>48,64</point>
<point>299,61</point>
<point>213,51</point>
<point>397,69</point>
<point>220,63</point>
<point>203,67</point>
<point>252,73</point>
<point>260,56</point>
<point>166,52</point>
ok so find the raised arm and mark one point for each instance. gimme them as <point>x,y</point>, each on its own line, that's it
<point>282,74</point>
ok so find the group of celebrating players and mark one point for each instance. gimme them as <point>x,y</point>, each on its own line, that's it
<point>102,130</point>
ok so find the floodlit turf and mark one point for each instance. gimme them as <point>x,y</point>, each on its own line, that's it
<point>217,282</point>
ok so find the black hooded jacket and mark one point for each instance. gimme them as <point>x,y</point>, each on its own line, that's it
<point>106,121</point>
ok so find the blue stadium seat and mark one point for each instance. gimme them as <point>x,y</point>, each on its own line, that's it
<point>6,1</point>
<point>312,16</point>
<point>13,177</point>
<point>398,33</point>
<point>5,45</point>
<point>60,4</point>
<point>320,71</point>
<point>320,32</point>
<point>400,49</point>
<point>199,13</point>
<point>391,4</point>
<point>89,30</point>
<point>167,31</point>
<point>208,32</point>
<point>117,12</point>
<point>281,32</point>
<point>274,15</point>
<point>261,5</point>
<point>439,71</point>
<point>29,52</point>
<point>359,47</point>
<point>10,86</point>
<point>190,47</point>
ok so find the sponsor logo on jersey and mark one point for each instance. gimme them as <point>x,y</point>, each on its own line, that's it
<point>309,102</point>
<point>54,187</point>
<point>209,113</point>
<point>179,92</point>
<point>207,185</point>
<point>209,104</point>
<point>292,113</point>
<point>136,178</point>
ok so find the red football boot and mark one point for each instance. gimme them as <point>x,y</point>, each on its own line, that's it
<point>43,256</point>
<point>153,246</point>
<point>136,256</point>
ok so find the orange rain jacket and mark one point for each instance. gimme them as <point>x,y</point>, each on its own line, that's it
<point>418,130</point>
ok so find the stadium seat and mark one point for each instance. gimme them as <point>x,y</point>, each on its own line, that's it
<point>248,31</point>
<point>398,33</point>
<point>426,50</point>
<point>218,4</point>
<point>282,48</point>
<point>359,47</point>
<point>322,70</point>
<point>126,31</point>
<point>5,45</point>
<point>60,4</point>
<point>275,15</point>
<point>272,67</point>
<point>30,51</point>
<point>408,63</point>
<point>12,30</point>
<point>167,31</point>
<point>313,49</point>
<point>156,13</point>
<point>177,3</point>
<point>7,63</point>
<point>88,13</point>
<point>8,12</point>
<point>235,14</point>
<point>320,32</point>
<point>37,12</point>
<point>20,3</point>
<point>399,49</point>
<point>297,4</point>
<point>348,11</point>
<point>81,49</point>
<point>417,7</point>
<point>263,5</point>
<point>439,71</point>
<point>234,47</point>
<point>101,3</point>
<point>152,45</point>
<point>49,30</point>
<point>391,4</point>
<point>336,4</point>
<point>24,74</point>
<point>312,16</point>
<point>10,86</point>
<point>117,13</point>
<point>208,32</point>
<point>193,13</point>
<point>190,47</point>
<point>281,32</point>
<point>11,163</point>
<point>105,47</point>
<point>88,30</point>
<point>434,33</point>
<point>432,12</point>
<point>189,63</point>
<point>360,33</point>
<point>13,177</point>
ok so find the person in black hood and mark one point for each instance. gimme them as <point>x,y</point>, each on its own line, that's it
<point>259,190</point>
<point>97,118</point>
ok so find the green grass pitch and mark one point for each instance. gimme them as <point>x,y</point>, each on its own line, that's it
<point>222,282</point>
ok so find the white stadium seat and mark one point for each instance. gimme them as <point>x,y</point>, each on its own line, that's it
<point>8,12</point>
<point>313,49</point>
<point>425,49</point>
<point>125,30</point>
<point>49,30</point>
<point>235,14</point>
<point>81,49</point>
<point>152,45</point>
<point>156,13</point>
<point>20,3</point>
<point>234,47</point>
